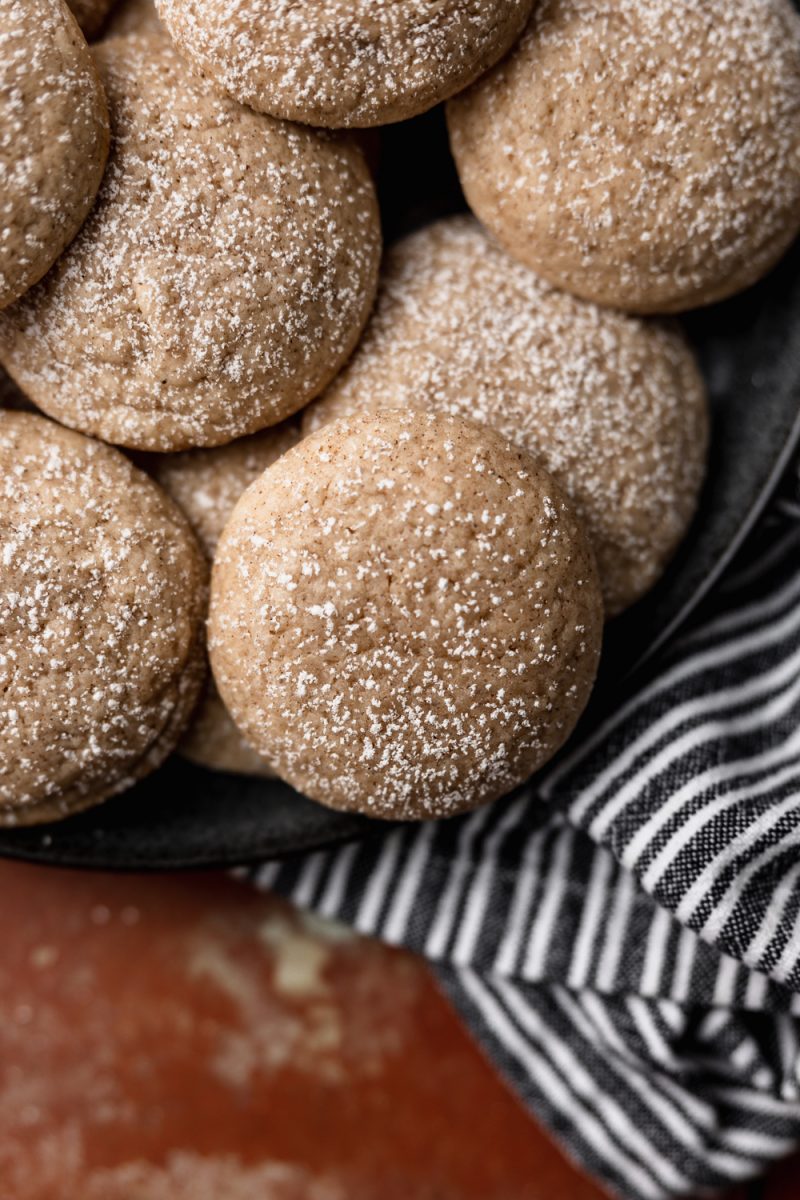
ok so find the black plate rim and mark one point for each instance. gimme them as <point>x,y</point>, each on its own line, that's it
<point>725,559</point>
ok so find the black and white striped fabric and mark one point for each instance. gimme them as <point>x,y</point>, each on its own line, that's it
<point>624,936</point>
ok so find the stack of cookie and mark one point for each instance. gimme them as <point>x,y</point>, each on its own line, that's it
<point>423,483</point>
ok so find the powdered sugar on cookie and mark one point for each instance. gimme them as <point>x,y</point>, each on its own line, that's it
<point>613,406</point>
<point>206,484</point>
<point>405,615</point>
<point>641,153</point>
<point>53,138</point>
<point>344,62</point>
<point>222,278</point>
<point>101,609</point>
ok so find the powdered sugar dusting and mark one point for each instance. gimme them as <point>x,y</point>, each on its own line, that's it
<point>221,279</point>
<point>613,406</point>
<point>101,605</point>
<point>206,484</point>
<point>188,1175</point>
<point>53,138</point>
<point>643,153</point>
<point>344,62</point>
<point>405,615</point>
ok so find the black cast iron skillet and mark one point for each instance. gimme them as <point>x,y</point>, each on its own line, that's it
<point>749,348</point>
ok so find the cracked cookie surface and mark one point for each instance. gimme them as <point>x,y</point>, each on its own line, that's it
<point>221,280</point>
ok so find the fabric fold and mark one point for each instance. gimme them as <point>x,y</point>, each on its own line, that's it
<point>623,935</point>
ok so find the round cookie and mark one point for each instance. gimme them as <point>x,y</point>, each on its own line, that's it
<point>206,484</point>
<point>340,63</point>
<point>613,406</point>
<point>53,138</point>
<point>90,14</point>
<point>405,615</point>
<point>101,620</point>
<point>221,280</point>
<point>641,153</point>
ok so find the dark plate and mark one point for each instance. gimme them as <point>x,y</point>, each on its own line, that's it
<point>750,350</point>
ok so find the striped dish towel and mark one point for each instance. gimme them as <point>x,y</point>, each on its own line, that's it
<point>624,935</point>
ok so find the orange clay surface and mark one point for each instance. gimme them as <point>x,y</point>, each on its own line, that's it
<point>184,1038</point>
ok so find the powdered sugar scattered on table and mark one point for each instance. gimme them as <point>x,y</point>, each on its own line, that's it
<point>53,138</point>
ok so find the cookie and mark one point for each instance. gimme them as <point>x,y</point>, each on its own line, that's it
<point>90,14</point>
<point>640,153</point>
<point>133,16</point>
<point>101,610</point>
<point>206,485</point>
<point>613,406</point>
<point>221,280</point>
<point>405,615</point>
<point>213,741</point>
<point>343,63</point>
<point>53,138</point>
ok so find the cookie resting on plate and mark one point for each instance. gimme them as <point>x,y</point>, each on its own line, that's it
<point>102,602</point>
<point>405,615</point>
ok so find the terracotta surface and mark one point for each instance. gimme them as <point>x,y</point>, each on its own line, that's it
<point>168,1038</point>
<point>185,1038</point>
<point>783,1184</point>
